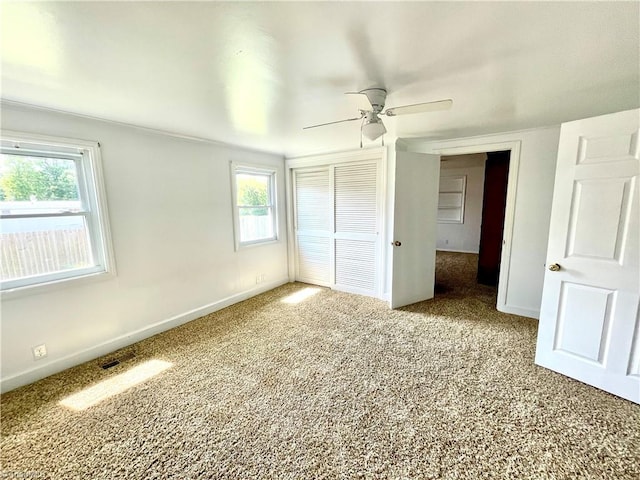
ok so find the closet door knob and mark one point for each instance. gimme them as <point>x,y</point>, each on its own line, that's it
<point>396,243</point>
<point>554,268</point>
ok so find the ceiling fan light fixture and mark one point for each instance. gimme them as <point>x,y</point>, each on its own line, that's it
<point>373,128</point>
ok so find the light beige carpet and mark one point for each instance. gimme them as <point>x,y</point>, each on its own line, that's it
<point>335,386</point>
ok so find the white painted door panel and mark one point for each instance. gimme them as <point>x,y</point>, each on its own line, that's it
<point>313,225</point>
<point>414,227</point>
<point>357,224</point>
<point>589,314</point>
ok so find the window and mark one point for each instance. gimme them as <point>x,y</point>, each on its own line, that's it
<point>451,199</point>
<point>53,219</point>
<point>254,205</point>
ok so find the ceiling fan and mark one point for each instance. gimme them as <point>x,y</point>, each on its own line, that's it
<point>372,126</point>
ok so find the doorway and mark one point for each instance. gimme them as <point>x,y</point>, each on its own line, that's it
<point>471,218</point>
<point>494,201</point>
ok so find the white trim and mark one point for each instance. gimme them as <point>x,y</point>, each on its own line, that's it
<point>335,158</point>
<point>29,376</point>
<point>332,222</point>
<point>456,251</point>
<point>59,142</point>
<point>523,312</point>
<point>289,209</point>
<point>411,143</point>
<point>38,288</point>
<point>155,131</point>
<point>514,146</point>
<point>382,229</point>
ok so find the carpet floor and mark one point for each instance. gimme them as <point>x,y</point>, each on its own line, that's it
<point>335,386</point>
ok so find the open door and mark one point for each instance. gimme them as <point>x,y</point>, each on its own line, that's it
<point>414,227</point>
<point>589,314</point>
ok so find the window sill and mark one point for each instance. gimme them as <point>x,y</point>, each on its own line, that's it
<point>46,287</point>
<point>258,243</point>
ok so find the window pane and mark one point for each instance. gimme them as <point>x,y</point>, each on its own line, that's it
<point>256,224</point>
<point>37,246</point>
<point>253,189</point>
<point>38,185</point>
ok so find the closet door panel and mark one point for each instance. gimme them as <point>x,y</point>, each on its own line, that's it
<point>313,226</point>
<point>356,227</point>
<point>314,259</point>
<point>356,264</point>
<point>356,198</point>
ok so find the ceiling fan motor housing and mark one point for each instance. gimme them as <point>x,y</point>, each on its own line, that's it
<point>376,97</point>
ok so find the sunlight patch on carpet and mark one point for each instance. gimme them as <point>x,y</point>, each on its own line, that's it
<point>300,295</point>
<point>113,386</point>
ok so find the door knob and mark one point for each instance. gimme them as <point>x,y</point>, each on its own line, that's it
<point>554,268</point>
<point>396,243</point>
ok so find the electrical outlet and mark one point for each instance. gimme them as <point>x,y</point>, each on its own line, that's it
<point>258,279</point>
<point>262,277</point>
<point>446,242</point>
<point>39,351</point>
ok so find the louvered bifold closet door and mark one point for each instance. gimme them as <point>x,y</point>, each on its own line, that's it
<point>356,227</point>
<point>313,225</point>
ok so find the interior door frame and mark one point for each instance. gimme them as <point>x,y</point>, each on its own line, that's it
<point>514,147</point>
<point>351,156</point>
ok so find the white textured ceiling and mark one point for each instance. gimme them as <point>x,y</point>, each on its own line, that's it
<point>253,74</point>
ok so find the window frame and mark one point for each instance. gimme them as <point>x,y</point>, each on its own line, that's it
<point>240,168</point>
<point>92,195</point>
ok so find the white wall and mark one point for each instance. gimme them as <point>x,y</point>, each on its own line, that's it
<point>169,203</point>
<point>464,237</point>
<point>538,152</point>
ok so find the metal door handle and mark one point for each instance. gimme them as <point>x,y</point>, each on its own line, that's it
<point>396,243</point>
<point>554,268</point>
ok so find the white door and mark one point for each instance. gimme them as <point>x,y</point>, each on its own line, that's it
<point>414,227</point>
<point>589,314</point>
<point>337,220</point>
<point>313,222</point>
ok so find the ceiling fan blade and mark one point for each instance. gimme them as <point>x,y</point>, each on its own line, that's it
<point>331,123</point>
<point>419,108</point>
<point>362,100</point>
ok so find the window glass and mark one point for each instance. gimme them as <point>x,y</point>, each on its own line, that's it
<point>38,185</point>
<point>36,246</point>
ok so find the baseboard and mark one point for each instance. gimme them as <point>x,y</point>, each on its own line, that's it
<point>455,251</point>
<point>523,312</point>
<point>91,353</point>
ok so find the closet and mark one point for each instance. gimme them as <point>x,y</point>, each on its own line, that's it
<point>337,222</point>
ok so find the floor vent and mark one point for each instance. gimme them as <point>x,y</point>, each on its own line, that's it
<point>112,362</point>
